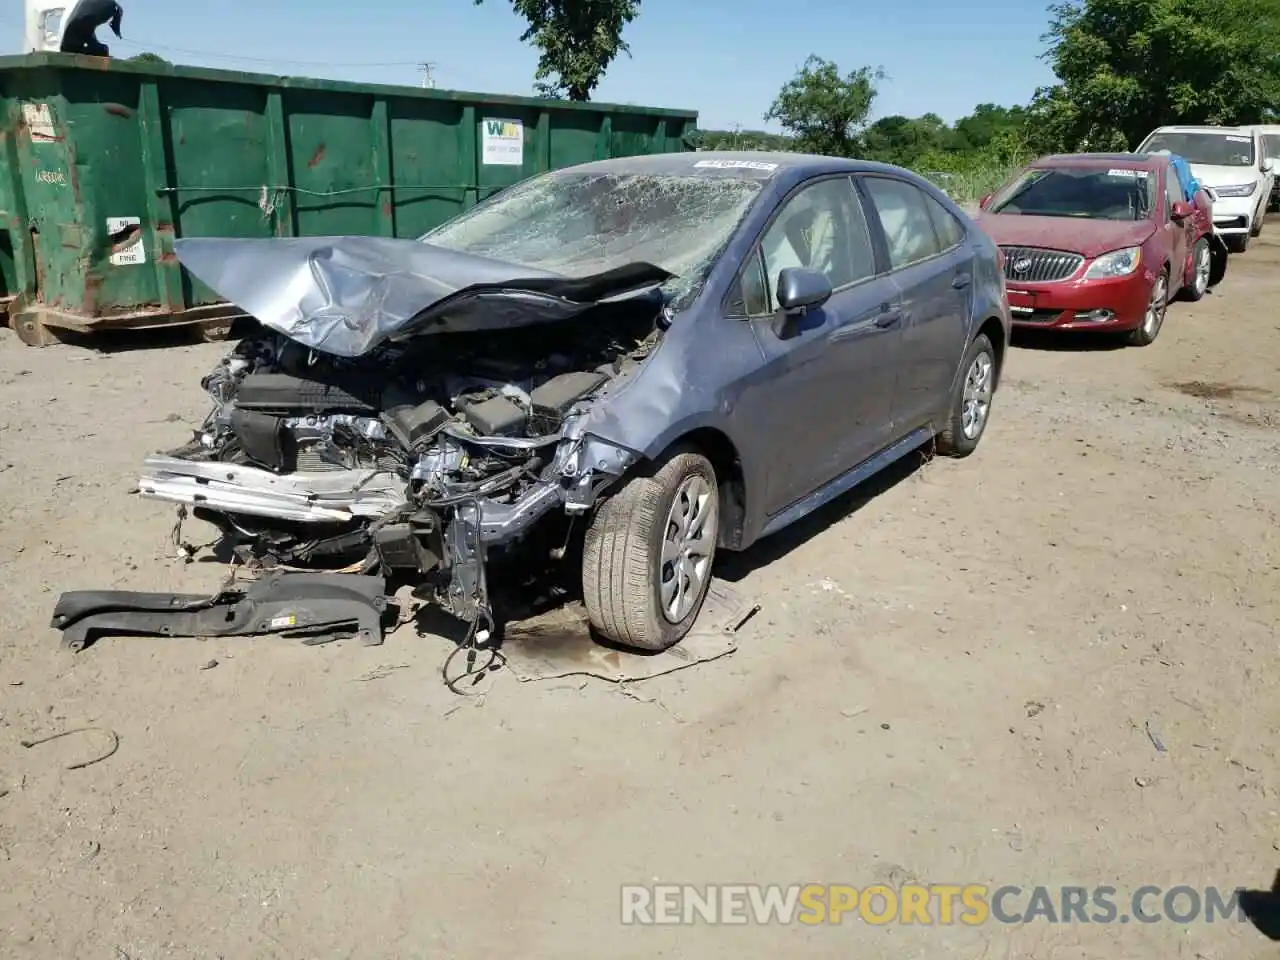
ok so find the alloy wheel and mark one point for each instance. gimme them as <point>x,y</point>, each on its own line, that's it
<point>688,542</point>
<point>979,384</point>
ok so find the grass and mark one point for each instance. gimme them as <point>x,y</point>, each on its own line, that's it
<point>970,179</point>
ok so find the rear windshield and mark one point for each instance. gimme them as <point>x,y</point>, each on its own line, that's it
<point>1089,192</point>
<point>1210,149</point>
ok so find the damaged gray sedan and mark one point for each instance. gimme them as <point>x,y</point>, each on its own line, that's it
<point>652,358</point>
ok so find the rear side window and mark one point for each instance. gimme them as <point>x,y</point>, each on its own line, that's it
<point>904,215</point>
<point>950,231</point>
<point>1271,144</point>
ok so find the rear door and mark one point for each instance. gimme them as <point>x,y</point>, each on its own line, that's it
<point>932,268</point>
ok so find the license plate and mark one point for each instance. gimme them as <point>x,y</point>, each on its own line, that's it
<point>1021,302</point>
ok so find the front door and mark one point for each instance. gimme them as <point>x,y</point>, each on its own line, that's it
<point>826,391</point>
<point>1181,234</point>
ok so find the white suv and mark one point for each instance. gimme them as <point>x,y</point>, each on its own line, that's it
<point>1231,160</point>
<point>1271,150</point>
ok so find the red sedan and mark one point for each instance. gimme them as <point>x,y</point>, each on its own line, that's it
<point>1102,242</point>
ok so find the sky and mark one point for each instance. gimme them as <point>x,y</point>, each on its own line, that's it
<point>725,60</point>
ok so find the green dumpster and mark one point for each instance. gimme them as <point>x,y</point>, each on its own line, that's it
<point>105,162</point>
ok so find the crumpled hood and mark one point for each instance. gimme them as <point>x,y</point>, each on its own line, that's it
<point>1089,238</point>
<point>346,295</point>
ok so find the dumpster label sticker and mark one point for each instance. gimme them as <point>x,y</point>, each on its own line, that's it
<point>502,142</point>
<point>126,241</point>
<point>39,121</point>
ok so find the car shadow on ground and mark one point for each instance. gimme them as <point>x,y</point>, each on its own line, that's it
<point>735,567</point>
<point>1262,908</point>
<point>517,597</point>
<point>1060,341</point>
<point>156,338</point>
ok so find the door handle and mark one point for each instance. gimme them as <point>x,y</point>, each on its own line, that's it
<point>888,318</point>
<point>961,281</point>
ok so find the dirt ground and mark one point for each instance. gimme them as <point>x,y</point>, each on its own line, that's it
<point>951,679</point>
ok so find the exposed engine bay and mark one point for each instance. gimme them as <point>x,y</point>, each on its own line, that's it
<point>413,459</point>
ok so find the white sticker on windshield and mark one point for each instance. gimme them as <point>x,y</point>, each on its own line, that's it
<point>736,165</point>
<point>1240,139</point>
<point>1126,173</point>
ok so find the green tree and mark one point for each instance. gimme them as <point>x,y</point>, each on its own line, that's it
<point>741,140</point>
<point>1127,66</point>
<point>903,140</point>
<point>823,110</point>
<point>985,123</point>
<point>149,58</point>
<point>577,40</point>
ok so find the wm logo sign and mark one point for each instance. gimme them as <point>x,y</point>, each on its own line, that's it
<point>502,128</point>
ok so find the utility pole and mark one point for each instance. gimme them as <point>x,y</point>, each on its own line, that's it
<point>428,74</point>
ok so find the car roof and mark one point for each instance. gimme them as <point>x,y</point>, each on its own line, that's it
<point>1137,161</point>
<point>1202,128</point>
<point>743,164</point>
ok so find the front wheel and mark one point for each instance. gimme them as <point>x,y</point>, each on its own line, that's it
<point>648,551</point>
<point>1153,319</point>
<point>1201,267</point>
<point>971,403</point>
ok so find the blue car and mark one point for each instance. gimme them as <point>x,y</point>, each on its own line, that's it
<point>655,358</point>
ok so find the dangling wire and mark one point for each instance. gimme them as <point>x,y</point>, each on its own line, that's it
<point>477,635</point>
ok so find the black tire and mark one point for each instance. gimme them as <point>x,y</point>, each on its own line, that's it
<point>622,568</point>
<point>1146,334</point>
<point>1194,291</point>
<point>953,440</point>
<point>1237,242</point>
<point>1219,257</point>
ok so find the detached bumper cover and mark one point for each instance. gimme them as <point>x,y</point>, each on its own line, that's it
<point>321,606</point>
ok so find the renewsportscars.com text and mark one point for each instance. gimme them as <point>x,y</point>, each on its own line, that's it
<point>924,904</point>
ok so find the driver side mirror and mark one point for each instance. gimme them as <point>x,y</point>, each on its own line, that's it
<point>800,288</point>
<point>1180,211</point>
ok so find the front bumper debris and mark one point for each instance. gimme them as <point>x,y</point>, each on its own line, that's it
<point>318,606</point>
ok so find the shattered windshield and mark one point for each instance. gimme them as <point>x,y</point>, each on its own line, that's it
<point>1088,192</point>
<point>579,224</point>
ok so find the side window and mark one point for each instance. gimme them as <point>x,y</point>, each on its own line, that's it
<point>905,219</point>
<point>750,297</point>
<point>1271,144</point>
<point>950,231</point>
<point>822,228</point>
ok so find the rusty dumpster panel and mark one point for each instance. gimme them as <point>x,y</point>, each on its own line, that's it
<point>106,162</point>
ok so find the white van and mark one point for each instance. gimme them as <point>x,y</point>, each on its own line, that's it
<point>1231,160</point>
